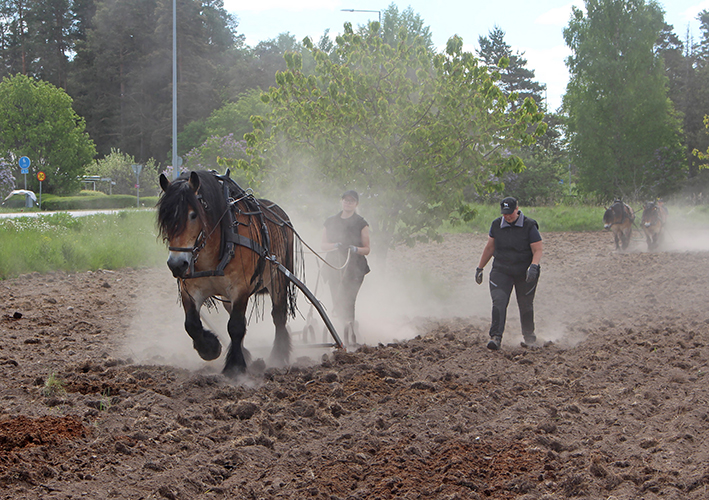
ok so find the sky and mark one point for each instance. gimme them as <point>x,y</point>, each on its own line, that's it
<point>532,28</point>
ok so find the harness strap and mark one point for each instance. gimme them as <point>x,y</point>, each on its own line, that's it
<point>230,237</point>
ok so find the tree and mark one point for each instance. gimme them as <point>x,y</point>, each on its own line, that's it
<point>37,121</point>
<point>7,180</point>
<point>233,118</point>
<point>623,132</point>
<point>689,90</point>
<point>205,156</point>
<point>118,167</point>
<point>122,73</point>
<point>514,75</point>
<point>407,25</point>
<point>539,182</point>
<point>37,37</point>
<point>408,138</point>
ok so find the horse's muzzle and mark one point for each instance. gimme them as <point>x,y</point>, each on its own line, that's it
<point>178,262</point>
<point>607,226</point>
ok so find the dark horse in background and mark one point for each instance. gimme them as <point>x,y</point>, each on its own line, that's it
<point>220,240</point>
<point>619,218</point>
<point>654,220</point>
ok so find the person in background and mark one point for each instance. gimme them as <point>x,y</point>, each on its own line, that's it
<point>515,243</point>
<point>346,234</point>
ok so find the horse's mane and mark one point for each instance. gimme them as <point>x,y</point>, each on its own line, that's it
<point>175,202</point>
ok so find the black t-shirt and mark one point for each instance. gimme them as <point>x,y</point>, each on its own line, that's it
<point>348,232</point>
<point>513,253</point>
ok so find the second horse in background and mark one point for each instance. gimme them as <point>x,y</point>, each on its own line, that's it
<point>619,218</point>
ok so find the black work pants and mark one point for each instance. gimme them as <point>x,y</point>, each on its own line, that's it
<point>344,295</point>
<point>501,285</point>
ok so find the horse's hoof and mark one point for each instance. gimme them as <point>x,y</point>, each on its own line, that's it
<point>209,348</point>
<point>233,372</point>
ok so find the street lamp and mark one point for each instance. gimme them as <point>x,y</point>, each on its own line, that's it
<point>175,168</point>
<point>357,10</point>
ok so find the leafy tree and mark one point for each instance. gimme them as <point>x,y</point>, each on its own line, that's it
<point>7,180</point>
<point>408,138</point>
<point>620,119</point>
<point>37,121</point>
<point>689,90</point>
<point>118,167</point>
<point>514,75</point>
<point>545,160</point>
<point>232,118</point>
<point>205,157</point>
<point>407,26</point>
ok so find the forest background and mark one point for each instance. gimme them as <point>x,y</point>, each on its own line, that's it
<point>421,133</point>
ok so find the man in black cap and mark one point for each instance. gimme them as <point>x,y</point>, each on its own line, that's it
<point>516,244</point>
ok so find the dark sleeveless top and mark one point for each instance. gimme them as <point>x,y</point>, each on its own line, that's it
<point>348,232</point>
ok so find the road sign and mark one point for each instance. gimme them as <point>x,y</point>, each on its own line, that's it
<point>41,176</point>
<point>24,162</point>
<point>137,168</point>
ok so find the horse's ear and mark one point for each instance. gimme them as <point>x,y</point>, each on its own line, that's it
<point>164,182</point>
<point>194,181</point>
<point>227,174</point>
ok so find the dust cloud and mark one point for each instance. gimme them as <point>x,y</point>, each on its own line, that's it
<point>433,281</point>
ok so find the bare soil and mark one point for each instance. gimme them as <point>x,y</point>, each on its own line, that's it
<point>102,397</point>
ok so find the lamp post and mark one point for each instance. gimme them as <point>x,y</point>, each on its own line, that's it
<point>175,168</point>
<point>357,10</point>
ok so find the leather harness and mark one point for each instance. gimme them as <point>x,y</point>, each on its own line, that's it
<point>233,194</point>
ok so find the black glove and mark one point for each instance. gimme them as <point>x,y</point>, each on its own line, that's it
<point>353,249</point>
<point>478,275</point>
<point>533,273</point>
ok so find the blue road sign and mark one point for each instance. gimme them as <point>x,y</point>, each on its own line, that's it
<point>24,163</point>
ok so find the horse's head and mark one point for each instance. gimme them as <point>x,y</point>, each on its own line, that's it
<point>651,213</point>
<point>613,214</point>
<point>185,220</point>
<point>608,218</point>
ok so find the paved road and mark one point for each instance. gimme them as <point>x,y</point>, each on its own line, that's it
<point>74,213</point>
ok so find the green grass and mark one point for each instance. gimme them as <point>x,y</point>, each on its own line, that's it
<point>60,242</point>
<point>560,218</point>
<point>572,217</point>
<point>53,386</point>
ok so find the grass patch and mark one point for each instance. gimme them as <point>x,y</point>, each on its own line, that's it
<point>53,386</point>
<point>61,242</point>
<point>565,218</point>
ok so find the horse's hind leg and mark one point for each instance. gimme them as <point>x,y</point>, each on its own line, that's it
<point>205,342</point>
<point>237,356</point>
<point>280,354</point>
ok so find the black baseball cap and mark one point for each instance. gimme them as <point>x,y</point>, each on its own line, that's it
<point>508,205</point>
<point>351,193</point>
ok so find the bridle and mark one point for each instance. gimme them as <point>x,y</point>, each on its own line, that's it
<point>201,242</point>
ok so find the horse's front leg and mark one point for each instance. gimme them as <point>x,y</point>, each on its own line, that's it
<point>237,356</point>
<point>204,341</point>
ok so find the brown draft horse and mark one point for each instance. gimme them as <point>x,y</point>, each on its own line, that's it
<point>654,220</point>
<point>221,240</point>
<point>619,218</point>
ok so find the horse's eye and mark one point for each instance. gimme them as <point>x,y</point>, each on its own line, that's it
<point>193,215</point>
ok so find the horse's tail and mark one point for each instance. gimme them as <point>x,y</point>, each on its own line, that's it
<point>288,249</point>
